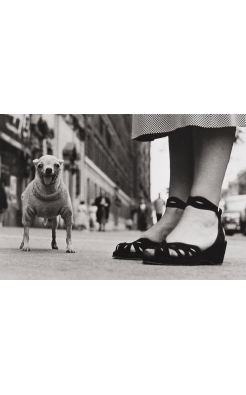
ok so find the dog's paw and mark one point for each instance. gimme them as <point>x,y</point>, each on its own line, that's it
<point>70,250</point>
<point>26,249</point>
<point>54,246</point>
<point>22,245</point>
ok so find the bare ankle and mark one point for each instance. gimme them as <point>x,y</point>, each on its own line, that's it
<point>172,211</point>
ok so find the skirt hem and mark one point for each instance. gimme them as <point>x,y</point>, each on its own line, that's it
<point>159,135</point>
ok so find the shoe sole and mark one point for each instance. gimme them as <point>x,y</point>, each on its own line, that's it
<point>202,263</point>
<point>128,258</point>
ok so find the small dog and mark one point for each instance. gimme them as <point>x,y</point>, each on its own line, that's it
<point>47,196</point>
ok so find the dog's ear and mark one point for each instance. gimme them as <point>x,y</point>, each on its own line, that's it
<point>60,161</point>
<point>35,161</point>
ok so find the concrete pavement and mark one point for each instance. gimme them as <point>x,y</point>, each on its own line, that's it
<point>92,260</point>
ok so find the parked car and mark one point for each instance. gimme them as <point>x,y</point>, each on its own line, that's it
<point>234,215</point>
<point>243,222</point>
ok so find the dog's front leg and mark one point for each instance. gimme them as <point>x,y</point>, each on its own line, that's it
<point>25,242</point>
<point>54,227</point>
<point>69,239</point>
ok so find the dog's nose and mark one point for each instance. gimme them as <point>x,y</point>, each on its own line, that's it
<point>48,171</point>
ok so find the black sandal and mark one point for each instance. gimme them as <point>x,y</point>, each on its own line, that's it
<point>123,250</point>
<point>190,255</point>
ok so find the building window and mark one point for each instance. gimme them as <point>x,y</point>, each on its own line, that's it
<point>96,153</point>
<point>88,146</point>
<point>108,139</point>
<point>102,126</point>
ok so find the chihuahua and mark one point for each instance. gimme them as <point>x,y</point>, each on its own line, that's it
<point>47,196</point>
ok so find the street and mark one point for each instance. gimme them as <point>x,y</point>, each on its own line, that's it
<point>93,261</point>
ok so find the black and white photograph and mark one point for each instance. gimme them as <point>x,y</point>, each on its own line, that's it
<point>121,197</point>
<point>122,229</point>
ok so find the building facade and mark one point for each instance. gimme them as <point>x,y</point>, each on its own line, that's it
<point>14,158</point>
<point>98,154</point>
<point>237,186</point>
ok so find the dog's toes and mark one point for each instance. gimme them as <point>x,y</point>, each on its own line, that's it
<point>70,250</point>
<point>26,249</point>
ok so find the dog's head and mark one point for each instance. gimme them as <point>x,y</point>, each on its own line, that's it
<point>48,169</point>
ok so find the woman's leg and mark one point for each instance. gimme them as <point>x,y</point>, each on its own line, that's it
<point>212,150</point>
<point>181,179</point>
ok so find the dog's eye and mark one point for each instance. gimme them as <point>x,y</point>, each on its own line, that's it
<point>57,166</point>
<point>40,166</point>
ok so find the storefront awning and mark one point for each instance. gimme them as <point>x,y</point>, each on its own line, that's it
<point>70,152</point>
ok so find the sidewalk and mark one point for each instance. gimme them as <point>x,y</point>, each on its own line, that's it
<point>93,259</point>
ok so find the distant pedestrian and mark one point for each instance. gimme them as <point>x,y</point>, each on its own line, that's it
<point>82,216</point>
<point>3,202</point>
<point>92,216</point>
<point>129,224</point>
<point>143,212</point>
<point>159,204</point>
<point>103,204</point>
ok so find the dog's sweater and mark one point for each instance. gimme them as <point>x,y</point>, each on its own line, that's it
<point>35,202</point>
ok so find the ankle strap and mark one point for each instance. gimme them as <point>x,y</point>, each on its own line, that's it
<point>175,203</point>
<point>203,204</point>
